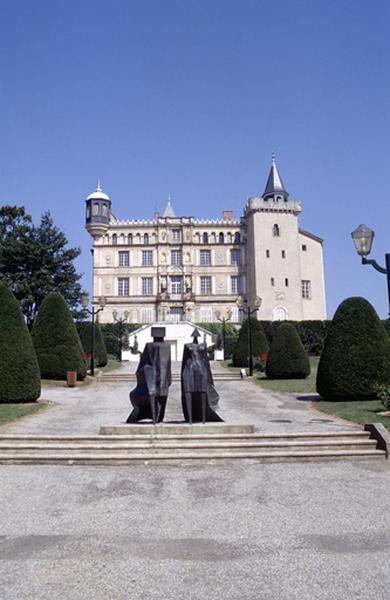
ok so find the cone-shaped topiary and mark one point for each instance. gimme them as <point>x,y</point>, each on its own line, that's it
<point>56,340</point>
<point>356,355</point>
<point>259,343</point>
<point>84,329</point>
<point>287,357</point>
<point>19,371</point>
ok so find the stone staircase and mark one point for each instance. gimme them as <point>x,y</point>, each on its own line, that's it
<point>182,443</point>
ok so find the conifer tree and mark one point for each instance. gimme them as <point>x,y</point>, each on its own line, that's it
<point>19,371</point>
<point>84,329</point>
<point>287,357</point>
<point>259,343</point>
<point>56,340</point>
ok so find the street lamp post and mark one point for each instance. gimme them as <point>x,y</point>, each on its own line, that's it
<point>244,307</point>
<point>121,321</point>
<point>363,237</point>
<point>224,320</point>
<point>93,312</point>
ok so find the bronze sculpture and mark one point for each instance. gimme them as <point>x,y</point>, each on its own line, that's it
<point>153,374</point>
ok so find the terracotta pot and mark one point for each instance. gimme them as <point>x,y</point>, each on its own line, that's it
<point>264,357</point>
<point>71,378</point>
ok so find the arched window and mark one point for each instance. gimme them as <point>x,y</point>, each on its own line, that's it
<point>221,238</point>
<point>205,238</point>
<point>95,208</point>
<point>276,230</point>
<point>88,211</point>
<point>146,238</point>
<point>105,210</point>
<point>237,238</point>
<point>279,313</point>
<point>130,239</point>
<point>114,239</point>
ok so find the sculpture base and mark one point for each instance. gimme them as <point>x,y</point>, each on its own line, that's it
<point>175,429</point>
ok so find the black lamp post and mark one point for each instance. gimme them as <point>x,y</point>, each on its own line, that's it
<point>363,237</point>
<point>93,312</point>
<point>121,321</point>
<point>224,320</point>
<point>244,307</point>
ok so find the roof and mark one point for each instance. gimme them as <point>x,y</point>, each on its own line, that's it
<point>98,194</point>
<point>311,235</point>
<point>169,212</point>
<point>274,182</point>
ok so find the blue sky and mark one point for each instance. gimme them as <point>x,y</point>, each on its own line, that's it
<point>190,98</point>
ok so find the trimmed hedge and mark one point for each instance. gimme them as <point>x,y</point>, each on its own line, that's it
<point>312,333</point>
<point>111,333</point>
<point>356,356</point>
<point>259,343</point>
<point>287,357</point>
<point>56,340</point>
<point>84,329</point>
<point>19,371</point>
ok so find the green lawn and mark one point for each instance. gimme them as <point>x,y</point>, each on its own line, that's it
<point>299,386</point>
<point>112,365</point>
<point>365,411</point>
<point>11,412</point>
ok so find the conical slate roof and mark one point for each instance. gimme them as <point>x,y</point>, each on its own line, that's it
<point>274,182</point>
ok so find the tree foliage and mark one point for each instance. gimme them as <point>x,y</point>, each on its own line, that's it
<point>36,260</point>
<point>259,343</point>
<point>356,356</point>
<point>56,340</point>
<point>19,371</point>
<point>84,329</point>
<point>287,357</point>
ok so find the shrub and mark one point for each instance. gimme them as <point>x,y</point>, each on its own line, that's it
<point>383,392</point>
<point>111,333</point>
<point>312,333</point>
<point>84,329</point>
<point>56,340</point>
<point>19,371</point>
<point>259,343</point>
<point>287,357</point>
<point>356,356</point>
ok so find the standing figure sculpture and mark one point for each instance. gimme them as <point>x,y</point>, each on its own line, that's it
<point>198,394</point>
<point>153,380</point>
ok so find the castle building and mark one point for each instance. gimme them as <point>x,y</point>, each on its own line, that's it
<point>173,268</point>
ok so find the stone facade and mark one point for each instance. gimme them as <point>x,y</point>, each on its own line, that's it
<point>181,268</point>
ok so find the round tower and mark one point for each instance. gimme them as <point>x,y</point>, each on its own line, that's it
<point>98,212</point>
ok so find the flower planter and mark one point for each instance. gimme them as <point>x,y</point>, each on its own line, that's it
<point>264,357</point>
<point>71,378</point>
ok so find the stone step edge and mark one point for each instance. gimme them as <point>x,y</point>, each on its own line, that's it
<point>194,436</point>
<point>178,446</point>
<point>196,457</point>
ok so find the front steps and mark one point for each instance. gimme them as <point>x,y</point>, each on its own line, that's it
<point>181,444</point>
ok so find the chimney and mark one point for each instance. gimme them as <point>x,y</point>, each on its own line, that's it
<point>228,215</point>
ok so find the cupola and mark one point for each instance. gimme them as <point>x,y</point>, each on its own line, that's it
<point>98,212</point>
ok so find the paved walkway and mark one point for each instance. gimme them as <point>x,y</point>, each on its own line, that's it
<point>290,531</point>
<point>84,409</point>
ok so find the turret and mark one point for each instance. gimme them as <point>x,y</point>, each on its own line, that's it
<point>98,212</point>
<point>274,189</point>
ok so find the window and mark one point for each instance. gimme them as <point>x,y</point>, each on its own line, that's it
<point>304,247</point>
<point>123,286</point>
<point>205,285</point>
<point>114,239</point>
<point>221,238</point>
<point>279,313</point>
<point>283,254</point>
<point>205,257</point>
<point>176,258</point>
<point>176,284</point>
<point>147,286</point>
<point>267,253</point>
<point>235,284</point>
<point>147,315</point>
<point>306,288</point>
<point>286,282</point>
<point>146,238</point>
<point>130,239</point>
<point>176,235</point>
<point>105,210</point>
<point>124,259</point>
<point>276,230</point>
<point>205,238</point>
<point>272,281</point>
<point>147,258</point>
<point>205,315</point>
<point>237,238</point>
<point>95,208</point>
<point>175,314</point>
<point>235,256</point>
